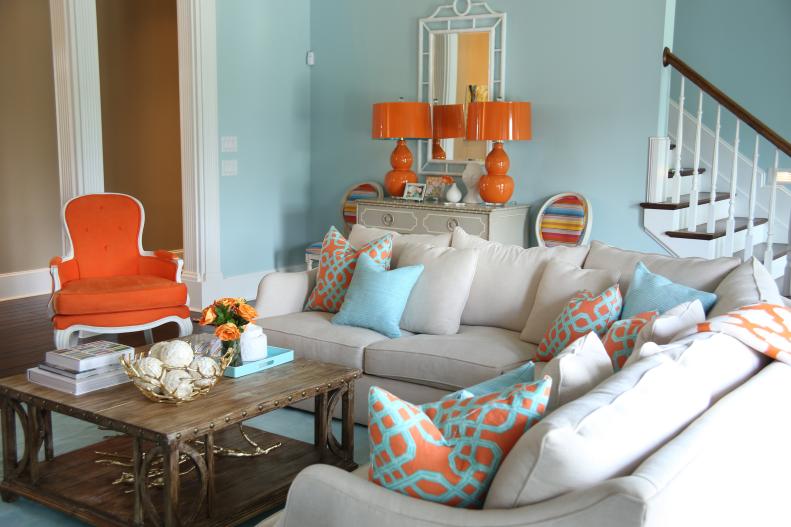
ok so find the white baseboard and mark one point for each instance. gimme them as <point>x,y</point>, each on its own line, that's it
<point>246,286</point>
<point>22,284</point>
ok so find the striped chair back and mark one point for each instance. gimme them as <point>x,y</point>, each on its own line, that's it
<point>565,219</point>
<point>366,190</point>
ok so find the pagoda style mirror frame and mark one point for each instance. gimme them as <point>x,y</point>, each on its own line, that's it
<point>449,23</point>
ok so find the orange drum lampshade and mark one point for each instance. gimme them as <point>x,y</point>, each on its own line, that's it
<point>400,120</point>
<point>498,121</point>
<point>448,124</point>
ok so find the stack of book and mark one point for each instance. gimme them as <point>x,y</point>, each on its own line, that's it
<point>82,369</point>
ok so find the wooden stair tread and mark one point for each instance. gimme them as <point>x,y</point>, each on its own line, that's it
<point>685,172</point>
<point>703,199</point>
<point>719,229</point>
<point>778,250</point>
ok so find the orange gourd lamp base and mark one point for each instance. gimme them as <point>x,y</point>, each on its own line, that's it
<point>401,161</point>
<point>437,152</point>
<point>496,186</point>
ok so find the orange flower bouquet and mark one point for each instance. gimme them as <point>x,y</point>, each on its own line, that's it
<point>229,316</point>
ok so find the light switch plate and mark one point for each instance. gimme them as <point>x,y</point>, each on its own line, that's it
<point>228,143</point>
<point>230,167</point>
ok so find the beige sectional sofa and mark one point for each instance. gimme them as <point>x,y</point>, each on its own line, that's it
<point>690,436</point>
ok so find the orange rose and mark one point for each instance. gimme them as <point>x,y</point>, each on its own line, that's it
<point>225,302</point>
<point>227,331</point>
<point>448,180</point>
<point>247,312</point>
<point>209,316</point>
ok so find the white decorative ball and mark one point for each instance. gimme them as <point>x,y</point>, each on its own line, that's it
<point>177,354</point>
<point>184,390</point>
<point>156,350</point>
<point>205,366</point>
<point>173,380</point>
<point>204,383</point>
<point>148,386</point>
<point>150,367</point>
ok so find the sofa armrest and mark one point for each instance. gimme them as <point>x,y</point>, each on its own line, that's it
<point>284,293</point>
<point>161,263</point>
<point>326,496</point>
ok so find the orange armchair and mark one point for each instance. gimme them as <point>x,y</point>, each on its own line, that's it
<point>109,284</point>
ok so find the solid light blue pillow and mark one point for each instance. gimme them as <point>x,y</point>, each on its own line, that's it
<point>653,292</point>
<point>523,374</point>
<point>376,298</point>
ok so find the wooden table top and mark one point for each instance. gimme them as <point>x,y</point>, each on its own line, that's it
<point>230,401</point>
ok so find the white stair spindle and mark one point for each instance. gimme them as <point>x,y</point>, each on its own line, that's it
<point>692,218</point>
<point>749,241</point>
<point>679,145</point>
<point>769,255</point>
<point>715,167</point>
<point>730,225</point>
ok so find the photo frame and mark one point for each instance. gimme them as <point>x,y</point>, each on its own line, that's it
<point>435,188</point>
<point>414,191</point>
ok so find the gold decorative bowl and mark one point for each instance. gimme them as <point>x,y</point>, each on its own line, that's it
<point>180,370</point>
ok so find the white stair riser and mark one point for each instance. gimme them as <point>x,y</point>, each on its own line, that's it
<point>660,221</point>
<point>778,266</point>
<point>712,248</point>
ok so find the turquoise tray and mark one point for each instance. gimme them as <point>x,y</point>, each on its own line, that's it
<point>276,356</point>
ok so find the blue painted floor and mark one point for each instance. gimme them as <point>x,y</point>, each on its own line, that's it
<point>71,434</point>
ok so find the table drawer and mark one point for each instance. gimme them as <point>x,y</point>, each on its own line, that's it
<point>442,222</point>
<point>404,220</point>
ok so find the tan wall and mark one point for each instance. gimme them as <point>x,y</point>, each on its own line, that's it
<point>138,67</point>
<point>30,232</point>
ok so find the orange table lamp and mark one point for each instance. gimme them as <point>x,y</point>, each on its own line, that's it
<point>498,121</point>
<point>448,124</point>
<point>401,121</point>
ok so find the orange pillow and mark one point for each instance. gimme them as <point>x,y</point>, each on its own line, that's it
<point>622,336</point>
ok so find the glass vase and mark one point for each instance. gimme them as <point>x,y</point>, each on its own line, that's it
<point>235,348</point>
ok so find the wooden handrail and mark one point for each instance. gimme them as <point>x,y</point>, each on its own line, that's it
<point>669,59</point>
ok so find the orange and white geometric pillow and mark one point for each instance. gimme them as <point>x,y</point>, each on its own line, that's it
<point>336,268</point>
<point>766,328</point>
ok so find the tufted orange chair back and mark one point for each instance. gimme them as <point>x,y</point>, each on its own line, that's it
<point>105,232</point>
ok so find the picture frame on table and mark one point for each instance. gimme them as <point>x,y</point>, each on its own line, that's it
<point>435,188</point>
<point>414,191</point>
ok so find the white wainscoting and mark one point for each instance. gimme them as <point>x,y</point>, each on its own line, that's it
<point>246,286</point>
<point>25,283</point>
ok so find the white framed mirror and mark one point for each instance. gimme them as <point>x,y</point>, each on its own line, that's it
<point>461,59</point>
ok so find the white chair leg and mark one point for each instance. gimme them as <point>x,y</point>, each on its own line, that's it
<point>185,327</point>
<point>149,336</point>
<point>66,338</point>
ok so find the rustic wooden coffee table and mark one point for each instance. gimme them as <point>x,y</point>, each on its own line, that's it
<point>183,462</point>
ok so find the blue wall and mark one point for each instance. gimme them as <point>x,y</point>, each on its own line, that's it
<point>264,100</point>
<point>591,69</point>
<point>744,48</point>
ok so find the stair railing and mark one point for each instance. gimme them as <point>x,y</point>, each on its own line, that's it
<point>762,131</point>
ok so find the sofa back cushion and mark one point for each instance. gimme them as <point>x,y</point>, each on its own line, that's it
<point>605,434</point>
<point>750,283</point>
<point>506,279</point>
<point>698,273</point>
<point>361,235</point>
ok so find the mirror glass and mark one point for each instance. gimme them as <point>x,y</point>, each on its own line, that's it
<point>460,73</point>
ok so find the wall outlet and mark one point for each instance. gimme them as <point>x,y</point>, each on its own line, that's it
<point>230,167</point>
<point>311,58</point>
<point>228,143</point>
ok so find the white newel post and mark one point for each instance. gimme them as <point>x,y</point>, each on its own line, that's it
<point>75,59</point>
<point>749,241</point>
<point>692,220</point>
<point>679,145</point>
<point>715,169</point>
<point>730,226</point>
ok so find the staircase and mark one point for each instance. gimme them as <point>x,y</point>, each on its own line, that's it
<point>707,199</point>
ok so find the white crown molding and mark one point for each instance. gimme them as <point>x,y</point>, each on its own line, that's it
<point>75,60</point>
<point>24,283</point>
<point>197,42</point>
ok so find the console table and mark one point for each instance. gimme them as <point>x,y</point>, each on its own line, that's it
<point>506,224</point>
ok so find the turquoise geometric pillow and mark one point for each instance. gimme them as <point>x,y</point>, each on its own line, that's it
<point>653,292</point>
<point>376,298</point>
<point>523,374</point>
<point>449,451</point>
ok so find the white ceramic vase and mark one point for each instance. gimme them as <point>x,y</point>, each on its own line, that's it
<point>471,176</point>
<point>453,195</point>
<point>253,343</point>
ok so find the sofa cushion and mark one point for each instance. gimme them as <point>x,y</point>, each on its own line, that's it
<point>521,374</point>
<point>748,284</point>
<point>577,370</point>
<point>312,336</point>
<point>473,355</point>
<point>664,328</point>
<point>361,235</point>
<point>115,294</point>
<point>510,273</point>
<point>605,434</point>
<point>559,282</point>
<point>440,294</point>
<point>699,273</point>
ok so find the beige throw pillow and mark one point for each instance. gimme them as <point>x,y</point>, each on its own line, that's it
<point>361,235</point>
<point>560,281</point>
<point>750,283</point>
<point>506,280</point>
<point>665,327</point>
<point>577,370</point>
<point>440,294</point>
